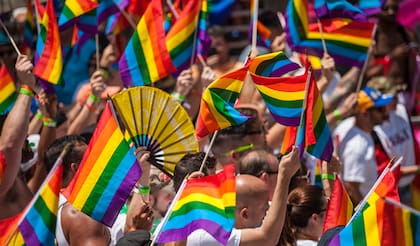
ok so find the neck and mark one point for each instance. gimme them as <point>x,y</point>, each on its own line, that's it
<point>363,124</point>
<point>303,234</point>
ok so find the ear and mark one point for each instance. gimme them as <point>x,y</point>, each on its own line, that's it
<point>244,213</point>
<point>264,177</point>
<point>235,155</point>
<point>74,167</point>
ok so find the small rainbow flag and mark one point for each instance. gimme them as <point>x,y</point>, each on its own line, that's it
<point>73,9</point>
<point>37,224</point>
<point>386,188</point>
<point>217,104</point>
<point>347,41</point>
<point>49,64</point>
<point>7,90</point>
<point>203,39</point>
<point>340,207</point>
<point>146,59</point>
<point>274,64</point>
<point>263,35</point>
<point>107,173</point>
<point>206,203</point>
<point>283,96</point>
<point>180,37</point>
<point>338,8</point>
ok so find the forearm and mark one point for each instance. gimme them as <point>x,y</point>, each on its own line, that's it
<point>82,120</point>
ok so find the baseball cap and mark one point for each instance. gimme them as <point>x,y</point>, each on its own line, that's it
<point>385,85</point>
<point>135,238</point>
<point>371,98</point>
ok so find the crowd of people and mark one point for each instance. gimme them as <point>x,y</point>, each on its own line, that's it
<point>277,202</point>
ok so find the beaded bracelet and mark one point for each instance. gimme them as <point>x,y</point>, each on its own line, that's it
<point>327,176</point>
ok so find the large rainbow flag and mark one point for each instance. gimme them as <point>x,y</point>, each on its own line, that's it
<point>180,37</point>
<point>73,9</point>
<point>347,41</point>
<point>49,65</point>
<point>38,222</point>
<point>340,207</point>
<point>107,173</point>
<point>7,90</point>
<point>274,64</point>
<point>146,59</point>
<point>217,104</point>
<point>206,203</point>
<point>338,8</point>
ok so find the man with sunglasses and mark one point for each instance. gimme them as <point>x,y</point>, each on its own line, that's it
<point>355,145</point>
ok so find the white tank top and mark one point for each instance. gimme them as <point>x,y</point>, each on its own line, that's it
<point>59,234</point>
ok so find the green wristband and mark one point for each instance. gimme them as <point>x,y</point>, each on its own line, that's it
<point>328,176</point>
<point>93,98</point>
<point>337,114</point>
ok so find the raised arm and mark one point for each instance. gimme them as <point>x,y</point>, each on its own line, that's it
<point>15,127</point>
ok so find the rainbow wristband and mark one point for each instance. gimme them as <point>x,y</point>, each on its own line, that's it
<point>26,91</point>
<point>49,122</point>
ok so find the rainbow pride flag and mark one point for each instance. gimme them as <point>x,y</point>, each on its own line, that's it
<point>401,226</point>
<point>415,193</point>
<point>107,8</point>
<point>217,104</point>
<point>274,64</point>
<point>146,59</point>
<point>73,9</point>
<point>347,41</point>
<point>338,8</point>
<point>386,188</point>
<point>203,39</point>
<point>340,207</point>
<point>263,35</point>
<point>180,37</point>
<point>371,7</point>
<point>49,65</point>
<point>206,203</point>
<point>8,92</point>
<point>38,221</point>
<point>107,173</point>
<point>118,22</point>
<point>28,29</point>
<point>283,96</point>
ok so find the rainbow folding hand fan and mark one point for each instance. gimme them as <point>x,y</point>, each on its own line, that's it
<point>154,120</point>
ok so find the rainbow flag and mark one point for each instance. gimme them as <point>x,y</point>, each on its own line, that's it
<point>274,64</point>
<point>49,65</point>
<point>217,104</point>
<point>203,39</point>
<point>283,96</point>
<point>386,188</point>
<point>107,8</point>
<point>180,37</point>
<point>415,193</point>
<point>107,173</point>
<point>401,226</point>
<point>314,133</point>
<point>28,29</point>
<point>317,174</point>
<point>263,35</point>
<point>118,22</point>
<point>347,41</point>
<point>73,9</point>
<point>146,59</point>
<point>206,203</point>
<point>340,207</point>
<point>8,92</point>
<point>338,8</point>
<point>38,222</point>
<point>219,11</point>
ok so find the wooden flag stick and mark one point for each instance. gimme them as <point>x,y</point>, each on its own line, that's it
<point>308,79</point>
<point>254,25</point>
<point>97,51</point>
<point>321,33</point>
<point>10,38</point>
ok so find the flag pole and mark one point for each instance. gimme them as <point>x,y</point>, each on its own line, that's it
<point>254,24</point>
<point>97,50</point>
<point>172,8</point>
<point>10,37</point>
<point>165,219</point>
<point>321,33</point>
<point>208,151</point>
<point>362,73</point>
<point>44,183</point>
<point>360,206</point>
<point>398,204</point>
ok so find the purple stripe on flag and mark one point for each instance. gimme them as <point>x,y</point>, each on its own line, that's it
<point>28,233</point>
<point>284,69</point>
<point>293,121</point>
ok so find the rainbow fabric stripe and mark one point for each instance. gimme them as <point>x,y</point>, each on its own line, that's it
<point>415,193</point>
<point>317,174</point>
<point>180,37</point>
<point>263,35</point>
<point>28,29</point>
<point>49,66</point>
<point>107,173</point>
<point>38,222</point>
<point>217,104</point>
<point>107,8</point>
<point>340,207</point>
<point>347,41</point>
<point>386,188</point>
<point>371,7</point>
<point>7,90</point>
<point>203,39</point>
<point>146,58</point>
<point>73,9</point>
<point>206,203</point>
<point>314,134</point>
<point>117,22</point>
<point>338,8</point>
<point>401,226</point>
<point>274,64</point>
<point>283,96</point>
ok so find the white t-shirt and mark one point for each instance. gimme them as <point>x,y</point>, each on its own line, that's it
<point>202,238</point>
<point>397,139</point>
<point>306,243</point>
<point>357,153</point>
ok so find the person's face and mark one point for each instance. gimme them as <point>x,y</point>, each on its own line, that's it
<point>257,211</point>
<point>220,45</point>
<point>379,115</point>
<point>163,200</point>
<point>389,10</point>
